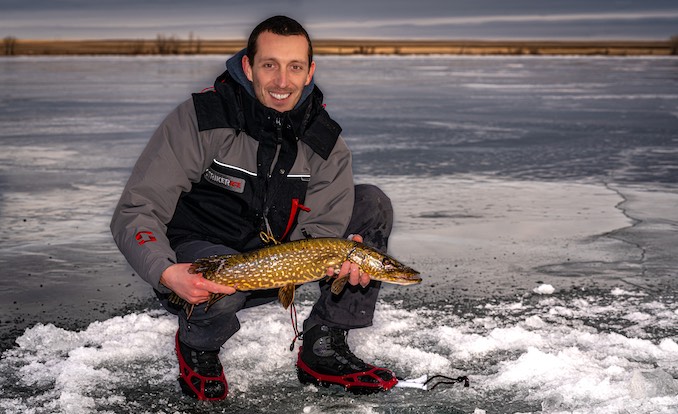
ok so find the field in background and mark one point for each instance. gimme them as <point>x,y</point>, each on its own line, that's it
<point>174,46</point>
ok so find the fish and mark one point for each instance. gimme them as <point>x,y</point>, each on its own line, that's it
<point>287,265</point>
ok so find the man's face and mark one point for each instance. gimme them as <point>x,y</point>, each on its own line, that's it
<point>280,70</point>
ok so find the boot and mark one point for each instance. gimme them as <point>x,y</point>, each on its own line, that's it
<point>201,373</point>
<point>325,358</point>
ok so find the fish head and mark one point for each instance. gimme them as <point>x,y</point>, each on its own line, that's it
<point>399,274</point>
<point>387,269</point>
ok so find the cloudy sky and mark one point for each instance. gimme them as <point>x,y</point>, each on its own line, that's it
<point>402,19</point>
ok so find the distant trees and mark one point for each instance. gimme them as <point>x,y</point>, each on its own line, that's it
<point>172,45</point>
<point>674,45</point>
<point>194,44</point>
<point>167,45</point>
<point>10,45</point>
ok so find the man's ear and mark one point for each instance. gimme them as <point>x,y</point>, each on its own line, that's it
<point>311,71</point>
<point>247,67</point>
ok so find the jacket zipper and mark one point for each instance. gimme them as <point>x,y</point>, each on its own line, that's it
<point>278,144</point>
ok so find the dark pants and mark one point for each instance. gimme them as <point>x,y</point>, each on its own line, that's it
<point>372,218</point>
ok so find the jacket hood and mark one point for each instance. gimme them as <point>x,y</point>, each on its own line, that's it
<point>234,67</point>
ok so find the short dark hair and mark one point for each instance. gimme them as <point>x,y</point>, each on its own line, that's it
<point>280,25</point>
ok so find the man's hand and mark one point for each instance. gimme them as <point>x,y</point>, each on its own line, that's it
<point>193,288</point>
<point>355,275</point>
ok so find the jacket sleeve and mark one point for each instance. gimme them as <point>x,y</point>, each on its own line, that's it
<point>172,160</point>
<point>330,196</point>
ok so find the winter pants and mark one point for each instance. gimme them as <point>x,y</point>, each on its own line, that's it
<point>372,218</point>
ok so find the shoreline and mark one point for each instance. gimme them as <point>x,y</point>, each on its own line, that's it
<point>175,46</point>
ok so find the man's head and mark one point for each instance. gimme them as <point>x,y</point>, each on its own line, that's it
<point>279,62</point>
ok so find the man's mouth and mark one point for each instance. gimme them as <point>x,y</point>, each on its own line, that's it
<point>280,96</point>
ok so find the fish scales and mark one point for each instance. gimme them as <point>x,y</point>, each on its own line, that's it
<point>294,263</point>
<point>276,266</point>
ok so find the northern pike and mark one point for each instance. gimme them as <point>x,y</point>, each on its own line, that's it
<point>287,265</point>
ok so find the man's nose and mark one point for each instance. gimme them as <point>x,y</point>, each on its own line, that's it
<point>281,78</point>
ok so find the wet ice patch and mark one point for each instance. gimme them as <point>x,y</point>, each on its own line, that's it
<point>622,292</point>
<point>555,353</point>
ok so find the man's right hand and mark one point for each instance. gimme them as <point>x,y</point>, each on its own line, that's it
<point>191,287</point>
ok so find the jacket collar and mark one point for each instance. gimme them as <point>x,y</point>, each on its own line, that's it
<point>307,122</point>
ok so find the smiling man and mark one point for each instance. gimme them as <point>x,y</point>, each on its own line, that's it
<point>255,155</point>
<point>279,69</point>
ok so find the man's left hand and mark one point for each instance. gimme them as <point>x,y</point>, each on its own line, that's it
<point>356,277</point>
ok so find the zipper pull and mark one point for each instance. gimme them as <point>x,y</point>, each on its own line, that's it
<point>278,127</point>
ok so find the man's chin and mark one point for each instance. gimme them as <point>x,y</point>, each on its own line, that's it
<point>280,106</point>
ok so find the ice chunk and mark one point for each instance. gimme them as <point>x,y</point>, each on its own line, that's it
<point>544,289</point>
<point>648,384</point>
<point>553,402</point>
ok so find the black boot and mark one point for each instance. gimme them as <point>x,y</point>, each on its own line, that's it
<point>201,374</point>
<point>325,359</point>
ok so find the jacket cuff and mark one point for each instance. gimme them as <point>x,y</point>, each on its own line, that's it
<point>155,272</point>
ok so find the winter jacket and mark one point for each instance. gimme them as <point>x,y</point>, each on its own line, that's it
<point>222,167</point>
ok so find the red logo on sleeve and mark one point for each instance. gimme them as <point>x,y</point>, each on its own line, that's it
<point>145,237</point>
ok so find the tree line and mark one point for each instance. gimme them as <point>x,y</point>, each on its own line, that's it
<point>162,45</point>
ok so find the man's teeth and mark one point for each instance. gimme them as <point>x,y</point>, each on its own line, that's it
<point>280,96</point>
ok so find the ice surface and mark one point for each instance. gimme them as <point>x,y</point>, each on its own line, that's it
<point>548,360</point>
<point>508,175</point>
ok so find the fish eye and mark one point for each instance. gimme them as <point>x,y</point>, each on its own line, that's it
<point>388,263</point>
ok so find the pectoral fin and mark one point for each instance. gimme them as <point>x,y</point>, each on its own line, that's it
<point>174,299</point>
<point>338,284</point>
<point>214,297</point>
<point>188,308</point>
<point>286,295</point>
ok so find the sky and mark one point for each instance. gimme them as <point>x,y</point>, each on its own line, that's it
<point>382,19</point>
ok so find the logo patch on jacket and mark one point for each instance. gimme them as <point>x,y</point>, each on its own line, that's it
<point>144,237</point>
<point>228,182</point>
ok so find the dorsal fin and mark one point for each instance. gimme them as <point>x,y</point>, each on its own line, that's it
<point>211,263</point>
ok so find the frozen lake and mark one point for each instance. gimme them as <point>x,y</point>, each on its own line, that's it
<point>537,195</point>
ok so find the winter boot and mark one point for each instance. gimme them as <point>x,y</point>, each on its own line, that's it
<point>201,374</point>
<point>324,359</point>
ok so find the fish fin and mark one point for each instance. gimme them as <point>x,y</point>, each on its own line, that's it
<point>286,295</point>
<point>338,284</point>
<point>210,263</point>
<point>188,308</point>
<point>175,299</point>
<point>214,298</point>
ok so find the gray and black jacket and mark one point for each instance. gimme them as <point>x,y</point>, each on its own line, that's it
<point>222,167</point>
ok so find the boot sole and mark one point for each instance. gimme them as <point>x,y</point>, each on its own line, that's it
<point>306,378</point>
<point>366,382</point>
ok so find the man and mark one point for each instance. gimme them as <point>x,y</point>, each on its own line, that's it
<point>258,153</point>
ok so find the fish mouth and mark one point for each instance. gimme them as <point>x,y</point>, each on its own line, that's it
<point>407,278</point>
